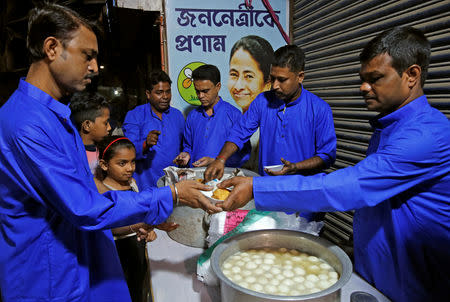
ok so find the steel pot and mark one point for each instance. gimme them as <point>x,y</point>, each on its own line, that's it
<point>194,223</point>
<point>336,257</point>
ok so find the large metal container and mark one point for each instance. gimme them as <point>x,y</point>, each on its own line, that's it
<point>194,223</point>
<point>231,292</point>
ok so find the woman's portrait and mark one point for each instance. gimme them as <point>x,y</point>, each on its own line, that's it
<point>250,60</point>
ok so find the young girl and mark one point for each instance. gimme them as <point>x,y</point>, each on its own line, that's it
<point>117,156</point>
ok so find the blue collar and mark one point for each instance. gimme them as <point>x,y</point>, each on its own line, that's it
<point>45,99</point>
<point>215,108</point>
<point>402,113</point>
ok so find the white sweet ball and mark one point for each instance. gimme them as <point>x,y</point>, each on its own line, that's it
<point>325,266</point>
<point>288,266</point>
<point>287,282</point>
<point>268,261</point>
<point>251,265</point>
<point>263,280</point>
<point>323,276</point>
<point>287,262</point>
<point>314,268</point>
<point>314,290</point>
<point>313,259</point>
<point>280,277</point>
<point>274,281</point>
<point>236,278</point>
<point>283,288</point>
<point>288,273</point>
<point>333,275</point>
<point>308,284</point>
<point>235,269</point>
<point>265,267</point>
<point>256,287</point>
<point>271,289</point>
<point>258,261</point>
<point>269,256</point>
<point>240,263</point>
<point>299,279</point>
<point>246,273</point>
<point>312,278</point>
<point>243,284</point>
<point>276,271</point>
<point>299,271</point>
<point>323,284</point>
<point>296,258</point>
<point>227,265</point>
<point>250,279</point>
<point>258,271</point>
<point>294,293</point>
<point>226,272</point>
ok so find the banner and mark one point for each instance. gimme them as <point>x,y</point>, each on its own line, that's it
<point>205,32</point>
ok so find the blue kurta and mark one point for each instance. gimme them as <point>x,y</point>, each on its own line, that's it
<point>55,242</point>
<point>297,131</point>
<point>138,123</point>
<point>401,193</point>
<point>205,135</point>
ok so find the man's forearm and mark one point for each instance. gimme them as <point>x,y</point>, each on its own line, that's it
<point>314,163</point>
<point>228,149</point>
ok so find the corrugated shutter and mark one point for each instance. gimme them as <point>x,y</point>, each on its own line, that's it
<point>332,34</point>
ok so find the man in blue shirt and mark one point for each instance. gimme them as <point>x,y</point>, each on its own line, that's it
<point>400,191</point>
<point>55,240</point>
<point>156,129</point>
<point>296,127</point>
<point>208,125</point>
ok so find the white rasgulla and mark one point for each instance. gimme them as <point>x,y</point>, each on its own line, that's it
<point>250,279</point>
<point>299,271</point>
<point>313,259</point>
<point>299,279</point>
<point>312,278</point>
<point>257,287</point>
<point>274,281</point>
<point>247,273</point>
<point>325,266</point>
<point>314,268</point>
<point>308,284</point>
<point>333,275</point>
<point>263,280</point>
<point>227,265</point>
<point>258,261</point>
<point>265,267</point>
<point>288,273</point>
<point>287,282</point>
<point>271,289</point>
<point>283,288</point>
<point>235,269</point>
<point>268,261</point>
<point>251,265</point>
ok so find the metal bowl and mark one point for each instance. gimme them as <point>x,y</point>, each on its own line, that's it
<point>336,257</point>
<point>194,223</point>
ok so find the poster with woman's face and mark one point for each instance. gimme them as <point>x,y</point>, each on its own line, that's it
<point>239,40</point>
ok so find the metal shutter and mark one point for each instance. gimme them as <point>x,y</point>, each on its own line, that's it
<point>332,34</point>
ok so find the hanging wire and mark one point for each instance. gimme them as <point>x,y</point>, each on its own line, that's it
<point>248,4</point>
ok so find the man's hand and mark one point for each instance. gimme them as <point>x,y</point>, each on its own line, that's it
<point>152,138</point>
<point>182,159</point>
<point>214,170</point>
<point>189,194</point>
<point>241,194</point>
<point>204,161</point>
<point>288,168</point>
<point>146,232</point>
<point>167,226</point>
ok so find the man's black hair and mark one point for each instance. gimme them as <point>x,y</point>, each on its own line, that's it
<point>207,72</point>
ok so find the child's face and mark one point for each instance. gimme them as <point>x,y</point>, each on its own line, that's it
<point>100,128</point>
<point>121,166</point>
